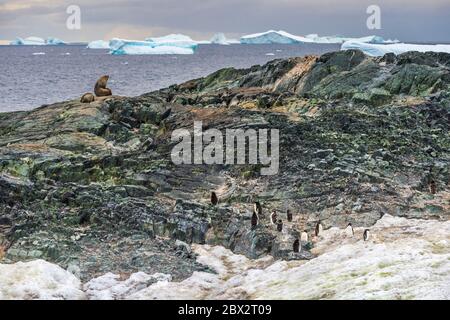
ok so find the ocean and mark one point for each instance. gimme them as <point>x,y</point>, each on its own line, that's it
<point>31,76</point>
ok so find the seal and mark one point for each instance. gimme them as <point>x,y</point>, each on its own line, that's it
<point>87,98</point>
<point>100,88</point>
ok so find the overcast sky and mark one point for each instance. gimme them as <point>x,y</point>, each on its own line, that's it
<point>407,20</point>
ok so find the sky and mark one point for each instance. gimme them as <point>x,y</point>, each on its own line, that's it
<point>406,20</point>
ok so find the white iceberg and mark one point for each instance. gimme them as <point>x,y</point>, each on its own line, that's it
<point>377,50</point>
<point>274,37</point>
<point>219,38</point>
<point>36,41</point>
<point>30,41</point>
<point>173,40</point>
<point>339,40</point>
<point>135,47</point>
<point>98,44</point>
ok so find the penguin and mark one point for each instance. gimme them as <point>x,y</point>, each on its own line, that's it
<point>296,246</point>
<point>280,225</point>
<point>214,199</point>
<point>432,186</point>
<point>257,209</point>
<point>289,215</point>
<point>349,230</point>
<point>304,236</point>
<point>319,228</point>
<point>366,235</point>
<point>254,220</point>
<point>273,217</point>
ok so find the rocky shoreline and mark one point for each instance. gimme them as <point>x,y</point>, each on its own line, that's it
<point>91,187</point>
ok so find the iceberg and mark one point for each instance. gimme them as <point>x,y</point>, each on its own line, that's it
<point>377,50</point>
<point>339,40</point>
<point>274,37</point>
<point>98,44</point>
<point>135,47</point>
<point>174,40</point>
<point>36,41</point>
<point>30,41</point>
<point>219,38</point>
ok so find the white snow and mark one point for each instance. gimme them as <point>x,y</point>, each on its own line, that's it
<point>272,36</point>
<point>397,48</point>
<point>135,47</point>
<point>98,44</point>
<point>404,259</point>
<point>38,280</point>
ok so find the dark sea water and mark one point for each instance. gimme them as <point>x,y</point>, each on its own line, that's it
<point>29,79</point>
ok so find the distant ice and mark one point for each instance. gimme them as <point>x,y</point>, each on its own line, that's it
<point>98,44</point>
<point>274,37</point>
<point>38,53</point>
<point>270,54</point>
<point>174,40</point>
<point>377,50</point>
<point>36,41</point>
<point>135,47</point>
<point>339,40</point>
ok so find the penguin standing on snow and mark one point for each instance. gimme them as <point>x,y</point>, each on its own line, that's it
<point>296,246</point>
<point>304,236</point>
<point>366,235</point>
<point>319,228</point>
<point>349,230</point>
<point>214,199</point>
<point>280,225</point>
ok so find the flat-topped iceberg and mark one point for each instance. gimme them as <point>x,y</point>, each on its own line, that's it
<point>377,50</point>
<point>36,41</point>
<point>339,40</point>
<point>98,44</point>
<point>274,37</point>
<point>174,40</point>
<point>135,47</point>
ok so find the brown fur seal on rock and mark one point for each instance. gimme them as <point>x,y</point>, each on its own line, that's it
<point>100,87</point>
<point>87,98</point>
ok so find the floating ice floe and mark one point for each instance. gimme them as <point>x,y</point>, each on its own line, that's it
<point>174,40</point>
<point>134,47</point>
<point>339,40</point>
<point>36,41</point>
<point>274,37</point>
<point>377,50</point>
<point>38,53</point>
<point>98,44</point>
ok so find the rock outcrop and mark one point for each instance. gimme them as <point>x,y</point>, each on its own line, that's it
<point>92,187</point>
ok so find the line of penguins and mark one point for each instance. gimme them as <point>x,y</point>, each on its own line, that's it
<point>258,214</point>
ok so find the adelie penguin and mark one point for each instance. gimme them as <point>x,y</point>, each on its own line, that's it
<point>280,225</point>
<point>296,246</point>
<point>319,228</point>
<point>254,220</point>
<point>289,215</point>
<point>273,217</point>
<point>366,235</point>
<point>214,199</point>
<point>349,230</point>
<point>257,209</point>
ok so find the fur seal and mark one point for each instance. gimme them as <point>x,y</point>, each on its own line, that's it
<point>349,230</point>
<point>296,246</point>
<point>289,215</point>
<point>273,217</point>
<point>254,220</point>
<point>280,225</point>
<point>366,235</point>
<point>100,88</point>
<point>87,98</point>
<point>214,199</point>
<point>318,229</point>
<point>257,208</point>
